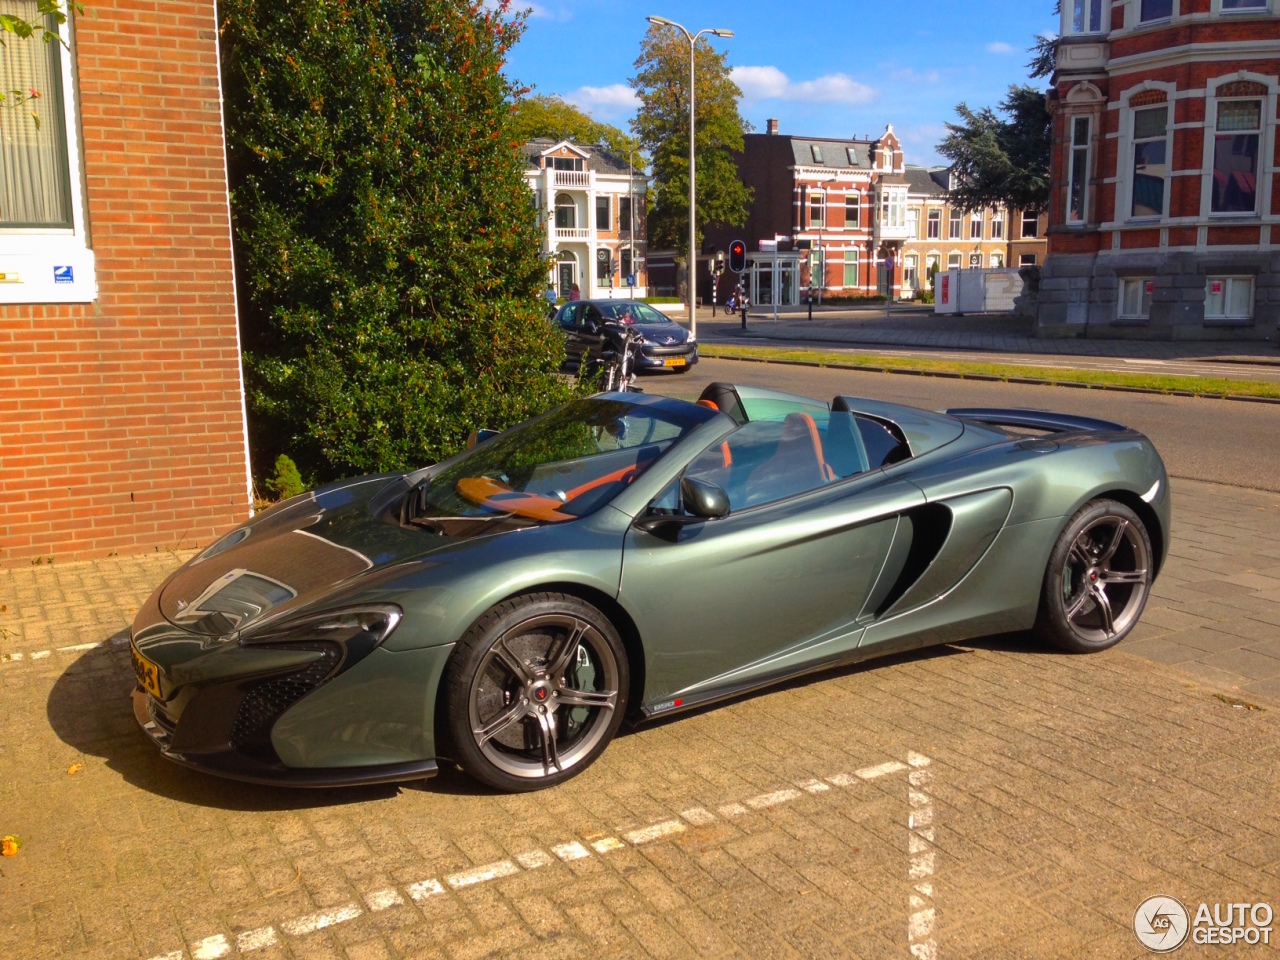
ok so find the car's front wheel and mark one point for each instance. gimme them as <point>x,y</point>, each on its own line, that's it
<point>1098,579</point>
<point>535,691</point>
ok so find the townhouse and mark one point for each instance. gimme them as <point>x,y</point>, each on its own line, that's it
<point>1164,207</point>
<point>593,205</point>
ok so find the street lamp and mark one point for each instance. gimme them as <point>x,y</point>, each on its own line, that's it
<point>693,227</point>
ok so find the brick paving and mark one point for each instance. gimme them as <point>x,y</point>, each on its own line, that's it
<point>979,800</point>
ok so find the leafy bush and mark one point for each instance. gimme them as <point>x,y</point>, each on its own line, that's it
<point>287,481</point>
<point>387,249</point>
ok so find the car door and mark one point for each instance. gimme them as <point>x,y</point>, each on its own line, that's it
<point>776,585</point>
<point>569,319</point>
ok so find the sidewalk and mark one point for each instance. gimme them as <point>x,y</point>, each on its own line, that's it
<point>980,800</point>
<point>919,327</point>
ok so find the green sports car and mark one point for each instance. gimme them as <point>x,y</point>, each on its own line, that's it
<point>629,556</point>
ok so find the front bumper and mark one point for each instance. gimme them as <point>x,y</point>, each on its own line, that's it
<point>238,766</point>
<point>654,357</point>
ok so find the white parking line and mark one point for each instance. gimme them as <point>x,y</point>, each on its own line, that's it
<point>492,871</point>
<point>211,948</point>
<point>78,647</point>
<point>884,769</point>
<point>774,799</point>
<point>256,939</point>
<point>534,859</point>
<point>383,899</point>
<point>425,888</point>
<point>570,851</point>
<point>656,832</point>
<point>698,816</point>
<point>319,921</point>
<point>921,904</point>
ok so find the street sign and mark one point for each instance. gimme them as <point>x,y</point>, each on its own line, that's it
<point>888,264</point>
<point>631,279</point>
<point>768,246</point>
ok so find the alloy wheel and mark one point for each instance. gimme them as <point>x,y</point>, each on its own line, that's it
<point>1106,578</point>
<point>544,696</point>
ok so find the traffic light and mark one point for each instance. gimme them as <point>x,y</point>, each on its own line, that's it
<point>738,256</point>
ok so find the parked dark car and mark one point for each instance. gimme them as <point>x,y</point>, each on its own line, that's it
<point>664,343</point>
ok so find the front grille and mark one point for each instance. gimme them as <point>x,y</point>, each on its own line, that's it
<point>668,350</point>
<point>268,699</point>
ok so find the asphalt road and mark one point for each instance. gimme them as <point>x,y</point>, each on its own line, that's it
<point>1221,441</point>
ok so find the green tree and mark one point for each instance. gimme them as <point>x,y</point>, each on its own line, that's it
<point>386,246</point>
<point>551,116</point>
<point>1044,52</point>
<point>1002,158</point>
<point>662,126</point>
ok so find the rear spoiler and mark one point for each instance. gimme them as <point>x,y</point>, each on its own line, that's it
<point>1036,420</point>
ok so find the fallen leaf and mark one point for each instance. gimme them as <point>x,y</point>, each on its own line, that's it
<point>9,846</point>
<point>74,769</point>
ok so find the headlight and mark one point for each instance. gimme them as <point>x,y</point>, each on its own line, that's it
<point>358,630</point>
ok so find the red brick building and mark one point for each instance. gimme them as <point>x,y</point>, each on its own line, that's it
<point>121,406</point>
<point>841,203</point>
<point>1165,209</point>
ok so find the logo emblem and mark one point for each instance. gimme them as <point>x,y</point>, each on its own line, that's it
<point>1161,924</point>
<point>541,693</point>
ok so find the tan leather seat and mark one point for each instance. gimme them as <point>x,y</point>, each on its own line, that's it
<point>797,466</point>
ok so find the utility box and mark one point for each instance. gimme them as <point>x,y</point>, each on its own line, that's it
<point>976,291</point>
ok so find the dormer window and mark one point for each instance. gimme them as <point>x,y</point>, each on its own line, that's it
<point>567,163</point>
<point>817,152</point>
<point>853,155</point>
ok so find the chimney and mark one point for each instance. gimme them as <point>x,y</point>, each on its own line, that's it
<point>772,125</point>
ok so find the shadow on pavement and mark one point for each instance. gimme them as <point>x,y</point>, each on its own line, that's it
<point>89,709</point>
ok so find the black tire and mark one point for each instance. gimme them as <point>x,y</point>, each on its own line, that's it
<point>685,369</point>
<point>1098,579</point>
<point>534,691</point>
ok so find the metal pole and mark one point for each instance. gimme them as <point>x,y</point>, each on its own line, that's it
<point>693,225</point>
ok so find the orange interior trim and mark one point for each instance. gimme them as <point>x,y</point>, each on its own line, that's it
<point>816,437</point>
<point>709,404</point>
<point>496,496</point>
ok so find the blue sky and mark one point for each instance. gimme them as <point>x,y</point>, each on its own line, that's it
<point>905,62</point>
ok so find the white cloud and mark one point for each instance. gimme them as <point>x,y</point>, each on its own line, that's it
<point>999,46</point>
<point>910,75</point>
<point>614,102</point>
<point>770,83</point>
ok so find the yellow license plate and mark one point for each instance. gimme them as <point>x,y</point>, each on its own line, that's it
<point>673,362</point>
<point>148,673</point>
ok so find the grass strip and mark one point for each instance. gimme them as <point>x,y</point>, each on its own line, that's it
<point>1179,385</point>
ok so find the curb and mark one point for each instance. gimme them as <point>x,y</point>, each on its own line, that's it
<point>1031,381</point>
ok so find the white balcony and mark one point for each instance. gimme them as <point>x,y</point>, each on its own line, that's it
<point>572,178</point>
<point>572,233</point>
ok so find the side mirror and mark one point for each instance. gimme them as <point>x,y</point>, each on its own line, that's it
<point>704,500</point>
<point>479,436</point>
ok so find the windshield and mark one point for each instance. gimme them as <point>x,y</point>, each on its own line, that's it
<point>629,311</point>
<point>559,467</point>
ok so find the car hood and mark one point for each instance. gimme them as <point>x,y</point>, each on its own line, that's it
<point>659,332</point>
<point>295,553</point>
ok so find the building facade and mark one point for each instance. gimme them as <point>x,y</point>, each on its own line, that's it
<point>836,208</point>
<point>121,405</point>
<point>946,238</point>
<point>1165,205</point>
<point>593,206</point>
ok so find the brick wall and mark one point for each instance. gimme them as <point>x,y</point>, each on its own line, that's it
<point>121,425</point>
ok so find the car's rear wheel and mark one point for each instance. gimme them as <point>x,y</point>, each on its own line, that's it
<point>535,691</point>
<point>1098,579</point>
